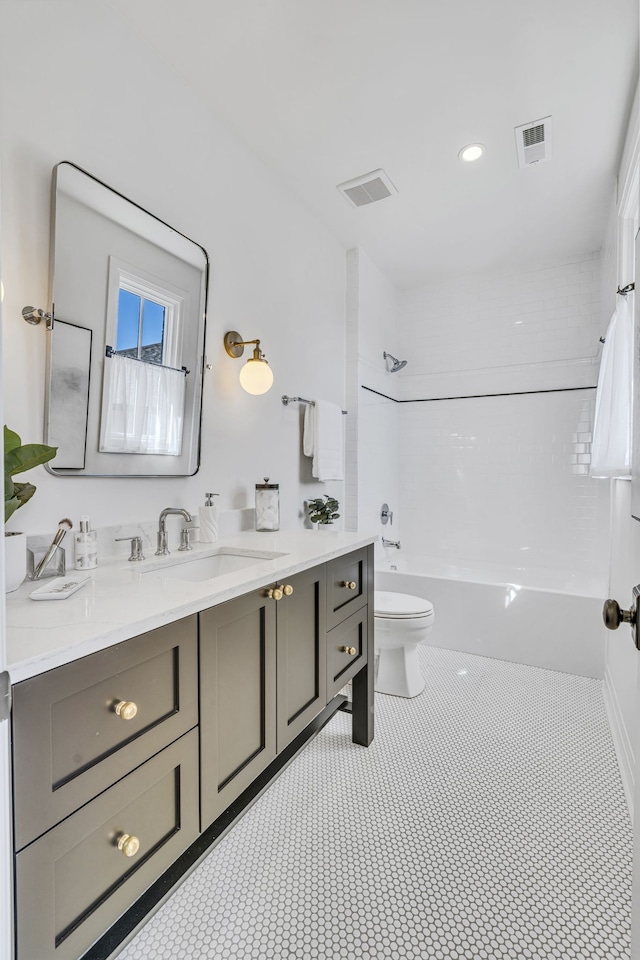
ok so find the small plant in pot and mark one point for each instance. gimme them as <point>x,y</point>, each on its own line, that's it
<point>18,458</point>
<point>323,511</point>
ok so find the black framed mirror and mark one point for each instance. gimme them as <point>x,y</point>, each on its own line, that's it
<point>126,352</point>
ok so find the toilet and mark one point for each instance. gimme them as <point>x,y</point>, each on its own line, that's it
<point>401,622</point>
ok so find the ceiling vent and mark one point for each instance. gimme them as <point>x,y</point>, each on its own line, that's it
<point>369,188</point>
<point>533,141</point>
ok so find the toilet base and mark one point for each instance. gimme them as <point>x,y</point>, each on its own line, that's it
<point>398,672</point>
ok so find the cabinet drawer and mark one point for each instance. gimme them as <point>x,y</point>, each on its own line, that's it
<point>74,882</point>
<point>69,741</point>
<point>347,585</point>
<point>342,663</point>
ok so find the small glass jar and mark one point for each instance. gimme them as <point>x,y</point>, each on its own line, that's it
<point>267,505</point>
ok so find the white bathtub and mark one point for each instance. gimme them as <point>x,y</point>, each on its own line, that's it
<point>543,618</point>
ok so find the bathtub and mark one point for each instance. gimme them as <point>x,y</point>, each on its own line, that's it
<point>543,618</point>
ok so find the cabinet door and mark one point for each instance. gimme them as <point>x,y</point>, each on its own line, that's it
<point>237,698</point>
<point>347,651</point>
<point>302,685</point>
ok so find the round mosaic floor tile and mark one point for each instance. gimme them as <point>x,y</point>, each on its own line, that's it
<point>486,821</point>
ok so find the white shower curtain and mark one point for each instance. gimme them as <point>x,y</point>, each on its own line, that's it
<point>611,447</point>
<point>142,407</point>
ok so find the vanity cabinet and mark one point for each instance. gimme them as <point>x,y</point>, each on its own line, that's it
<point>262,681</point>
<point>128,758</point>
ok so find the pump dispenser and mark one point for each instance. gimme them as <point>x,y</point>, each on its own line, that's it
<point>209,519</point>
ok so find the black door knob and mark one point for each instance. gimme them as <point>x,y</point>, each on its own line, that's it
<point>613,615</point>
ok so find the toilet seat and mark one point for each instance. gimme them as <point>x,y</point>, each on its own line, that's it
<point>400,606</point>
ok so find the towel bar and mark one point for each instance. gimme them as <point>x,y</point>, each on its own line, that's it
<point>286,400</point>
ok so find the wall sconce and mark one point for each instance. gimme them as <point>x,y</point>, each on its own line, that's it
<point>256,375</point>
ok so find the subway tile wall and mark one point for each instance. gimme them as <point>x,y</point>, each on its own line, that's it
<point>504,479</point>
<point>545,314</point>
<point>498,478</point>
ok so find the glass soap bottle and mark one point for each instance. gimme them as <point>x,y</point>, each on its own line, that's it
<point>86,546</point>
<point>267,505</point>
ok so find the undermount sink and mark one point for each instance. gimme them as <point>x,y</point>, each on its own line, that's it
<point>225,560</point>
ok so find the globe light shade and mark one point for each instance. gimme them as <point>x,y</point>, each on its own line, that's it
<point>256,377</point>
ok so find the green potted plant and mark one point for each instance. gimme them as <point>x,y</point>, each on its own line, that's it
<point>18,458</point>
<point>323,511</point>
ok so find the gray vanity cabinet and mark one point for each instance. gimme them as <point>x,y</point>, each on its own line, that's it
<point>237,698</point>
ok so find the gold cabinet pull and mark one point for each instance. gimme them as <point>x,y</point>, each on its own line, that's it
<point>349,584</point>
<point>126,709</point>
<point>287,589</point>
<point>275,594</point>
<point>350,650</point>
<point>128,844</point>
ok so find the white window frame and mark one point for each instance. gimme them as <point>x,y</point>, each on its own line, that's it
<point>125,276</point>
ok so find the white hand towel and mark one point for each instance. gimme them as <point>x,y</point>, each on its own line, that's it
<point>323,440</point>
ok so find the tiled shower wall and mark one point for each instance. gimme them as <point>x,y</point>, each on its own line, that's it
<point>501,478</point>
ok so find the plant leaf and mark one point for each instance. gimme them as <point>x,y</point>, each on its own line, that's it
<point>11,439</point>
<point>21,459</point>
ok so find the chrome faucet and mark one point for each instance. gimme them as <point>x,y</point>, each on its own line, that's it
<point>163,549</point>
<point>391,543</point>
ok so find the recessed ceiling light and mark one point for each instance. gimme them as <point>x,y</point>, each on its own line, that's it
<point>473,151</point>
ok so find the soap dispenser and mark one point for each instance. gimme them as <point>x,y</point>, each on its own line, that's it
<point>209,519</point>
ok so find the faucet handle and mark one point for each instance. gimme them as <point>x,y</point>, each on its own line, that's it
<point>185,542</point>
<point>136,547</point>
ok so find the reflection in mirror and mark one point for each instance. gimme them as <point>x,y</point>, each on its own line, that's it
<point>127,347</point>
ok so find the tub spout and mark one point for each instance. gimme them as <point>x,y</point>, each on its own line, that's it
<point>391,543</point>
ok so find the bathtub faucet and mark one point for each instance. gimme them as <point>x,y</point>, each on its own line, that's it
<point>391,543</point>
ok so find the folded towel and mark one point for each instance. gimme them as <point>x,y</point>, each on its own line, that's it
<point>323,439</point>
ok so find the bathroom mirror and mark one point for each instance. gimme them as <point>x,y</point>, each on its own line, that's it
<point>126,347</point>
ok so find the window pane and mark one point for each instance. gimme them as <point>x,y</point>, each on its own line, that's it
<point>152,331</point>
<point>128,322</point>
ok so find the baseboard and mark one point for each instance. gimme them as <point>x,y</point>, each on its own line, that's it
<point>621,739</point>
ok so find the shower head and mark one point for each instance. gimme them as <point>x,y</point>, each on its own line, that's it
<point>397,364</point>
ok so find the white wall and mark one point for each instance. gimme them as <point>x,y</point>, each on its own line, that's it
<point>374,460</point>
<point>504,478</point>
<point>105,101</point>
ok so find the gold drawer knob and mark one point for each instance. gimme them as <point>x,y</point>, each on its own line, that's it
<point>275,594</point>
<point>350,650</point>
<point>287,589</point>
<point>128,844</point>
<point>126,709</point>
<point>349,584</point>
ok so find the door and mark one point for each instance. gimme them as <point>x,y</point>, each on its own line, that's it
<point>6,851</point>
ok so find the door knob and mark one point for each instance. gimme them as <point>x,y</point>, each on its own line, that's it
<point>613,615</point>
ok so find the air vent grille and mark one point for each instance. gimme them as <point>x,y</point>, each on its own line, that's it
<point>369,188</point>
<point>533,141</point>
<point>533,135</point>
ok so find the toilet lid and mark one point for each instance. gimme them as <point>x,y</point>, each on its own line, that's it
<point>398,606</point>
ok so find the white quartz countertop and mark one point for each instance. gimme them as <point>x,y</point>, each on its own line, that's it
<point>121,601</point>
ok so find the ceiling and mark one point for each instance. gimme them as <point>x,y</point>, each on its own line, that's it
<point>325,91</point>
